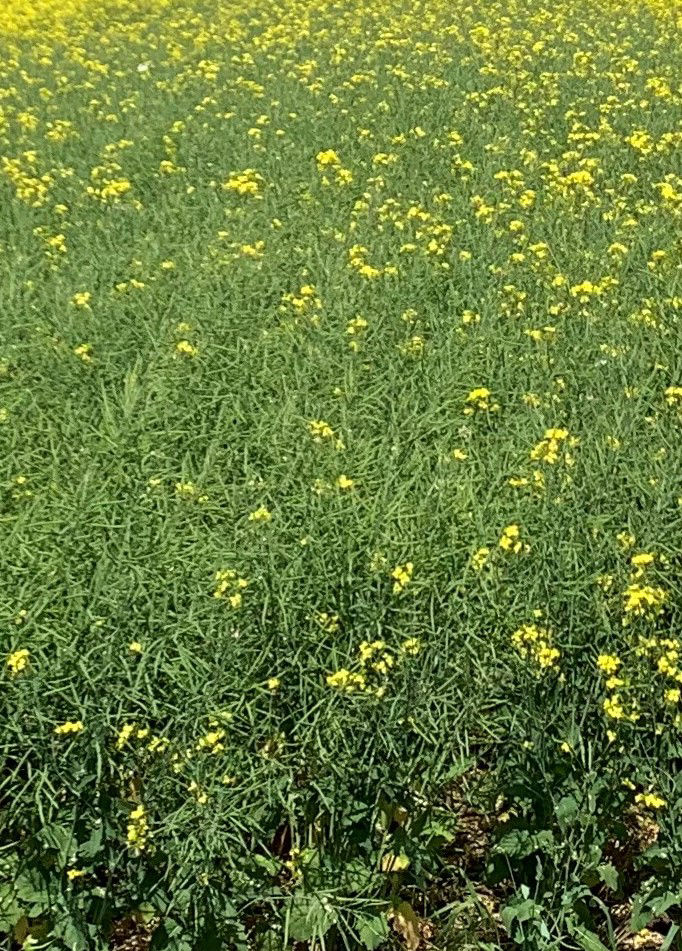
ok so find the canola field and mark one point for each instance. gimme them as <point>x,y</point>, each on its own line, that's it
<point>341,500</point>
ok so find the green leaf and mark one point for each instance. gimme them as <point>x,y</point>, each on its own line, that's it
<point>31,890</point>
<point>520,842</point>
<point>92,846</point>
<point>608,875</point>
<point>356,876</point>
<point>309,917</point>
<point>372,932</point>
<point>458,769</point>
<point>10,909</point>
<point>54,836</point>
<point>526,910</point>
<point>170,938</point>
<point>270,942</point>
<point>660,905</point>
<point>567,808</point>
<point>589,941</point>
<point>72,936</point>
<point>645,909</point>
<point>271,866</point>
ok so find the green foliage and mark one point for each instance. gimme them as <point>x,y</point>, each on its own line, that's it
<point>340,406</point>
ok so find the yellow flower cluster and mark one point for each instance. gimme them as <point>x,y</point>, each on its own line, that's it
<point>673,396</point>
<point>535,644</point>
<point>650,800</point>
<point>189,492</point>
<point>230,586</point>
<point>329,622</point>
<point>130,732</point>
<point>248,182</point>
<point>137,834</point>
<point>480,558</point>
<point>551,446</point>
<point>402,575</point>
<point>480,400</point>
<point>69,727</point>
<point>321,431</point>
<point>511,542</point>
<point>305,304</point>
<point>184,348</point>
<point>643,601</point>
<point>329,161</point>
<point>18,661</point>
<point>375,664</point>
<point>212,742</point>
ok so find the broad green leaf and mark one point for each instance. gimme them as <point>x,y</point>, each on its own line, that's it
<point>608,875</point>
<point>589,941</point>
<point>309,917</point>
<point>372,932</point>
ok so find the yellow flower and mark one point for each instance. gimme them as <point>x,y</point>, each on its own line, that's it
<point>345,681</point>
<point>510,540</point>
<point>650,800</point>
<point>673,395</point>
<point>344,482</point>
<point>273,683</point>
<point>479,559</point>
<point>229,586</point>
<point>212,741</point>
<point>248,182</point>
<point>626,540</point>
<point>84,351</point>
<point>138,829</point>
<point>18,661</point>
<point>411,645</point>
<point>608,663</point>
<point>367,650</point>
<point>82,299</point>
<point>126,733</point>
<point>186,490</point>
<point>328,622</point>
<point>643,601</point>
<point>402,575</point>
<point>70,726</point>
<point>613,707</point>
<point>412,347</point>
<point>326,158</point>
<point>535,644</point>
<point>261,514</point>
<point>185,349</point>
<point>548,449</point>
<point>135,647</point>
<point>479,400</point>
<point>319,430</point>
